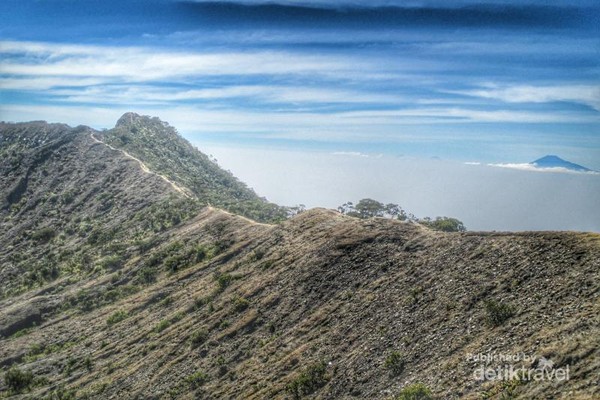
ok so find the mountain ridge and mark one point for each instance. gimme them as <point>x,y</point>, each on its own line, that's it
<point>115,285</point>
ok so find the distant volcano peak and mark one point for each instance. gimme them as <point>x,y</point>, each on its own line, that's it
<point>553,161</point>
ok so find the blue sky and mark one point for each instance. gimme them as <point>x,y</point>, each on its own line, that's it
<point>489,81</point>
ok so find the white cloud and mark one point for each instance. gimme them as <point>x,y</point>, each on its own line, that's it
<point>356,154</point>
<point>583,94</point>
<point>126,94</point>
<point>138,64</point>
<point>533,168</point>
<point>448,115</point>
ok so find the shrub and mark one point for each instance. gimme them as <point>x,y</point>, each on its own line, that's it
<point>198,337</point>
<point>162,325</point>
<point>201,253</point>
<point>147,275</point>
<point>416,391</point>
<point>17,380</point>
<point>223,280</point>
<point>117,317</point>
<point>43,235</point>
<point>111,262</point>
<point>497,313</point>
<point>88,364</point>
<point>196,380</point>
<point>201,302</point>
<point>394,363</point>
<point>240,304</point>
<point>310,380</point>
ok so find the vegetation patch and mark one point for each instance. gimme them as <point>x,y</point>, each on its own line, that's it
<point>17,380</point>
<point>223,281</point>
<point>394,363</point>
<point>416,391</point>
<point>198,337</point>
<point>117,317</point>
<point>497,313</point>
<point>240,304</point>
<point>197,379</point>
<point>309,381</point>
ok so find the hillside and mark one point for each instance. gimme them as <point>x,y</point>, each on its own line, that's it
<point>151,294</point>
<point>166,152</point>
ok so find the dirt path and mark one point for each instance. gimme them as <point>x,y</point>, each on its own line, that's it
<point>147,170</point>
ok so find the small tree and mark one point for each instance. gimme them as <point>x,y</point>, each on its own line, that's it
<point>368,208</point>
<point>444,224</point>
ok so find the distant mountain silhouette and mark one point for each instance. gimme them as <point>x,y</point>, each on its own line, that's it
<point>551,161</point>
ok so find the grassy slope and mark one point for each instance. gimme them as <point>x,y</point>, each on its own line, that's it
<point>275,300</point>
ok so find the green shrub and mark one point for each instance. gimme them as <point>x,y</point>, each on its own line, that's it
<point>394,363</point>
<point>309,381</point>
<point>117,317</point>
<point>416,391</point>
<point>201,302</point>
<point>196,380</point>
<point>147,275</point>
<point>43,235</point>
<point>199,337</point>
<point>111,262</point>
<point>88,364</point>
<point>223,280</point>
<point>17,380</point>
<point>240,304</point>
<point>162,325</point>
<point>497,313</point>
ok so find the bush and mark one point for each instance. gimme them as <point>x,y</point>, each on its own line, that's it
<point>147,275</point>
<point>240,304</point>
<point>162,325</point>
<point>497,313</point>
<point>111,262</point>
<point>43,235</point>
<point>416,391</point>
<point>310,380</point>
<point>17,380</point>
<point>199,337</point>
<point>117,317</point>
<point>394,363</point>
<point>223,280</point>
<point>196,380</point>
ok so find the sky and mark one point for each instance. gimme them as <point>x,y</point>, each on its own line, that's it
<point>401,84</point>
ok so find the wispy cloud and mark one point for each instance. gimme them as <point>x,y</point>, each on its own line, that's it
<point>583,94</point>
<point>356,154</point>
<point>136,64</point>
<point>534,168</point>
